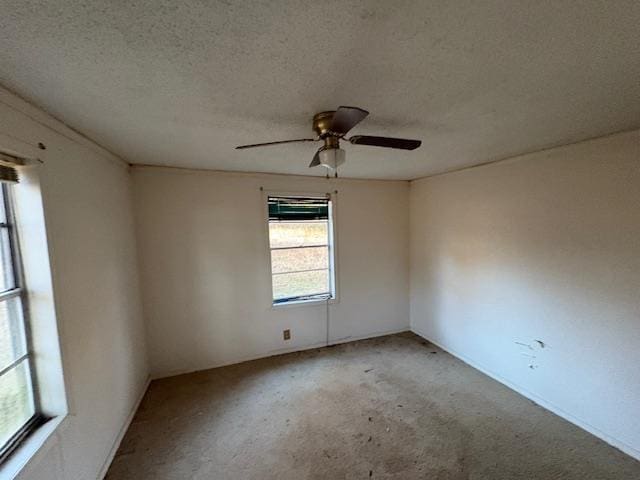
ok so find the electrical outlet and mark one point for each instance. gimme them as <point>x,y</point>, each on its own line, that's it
<point>286,334</point>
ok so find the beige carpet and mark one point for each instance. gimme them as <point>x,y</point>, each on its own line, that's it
<point>393,407</point>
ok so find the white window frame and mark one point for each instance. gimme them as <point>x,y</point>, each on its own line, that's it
<point>332,243</point>
<point>37,283</point>
<point>19,291</point>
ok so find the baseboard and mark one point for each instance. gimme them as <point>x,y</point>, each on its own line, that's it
<point>122,432</point>
<point>614,442</point>
<point>283,351</point>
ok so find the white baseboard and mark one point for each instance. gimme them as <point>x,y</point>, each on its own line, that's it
<point>614,442</point>
<point>122,432</point>
<point>273,353</point>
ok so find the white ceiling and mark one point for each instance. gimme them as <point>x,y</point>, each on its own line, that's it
<point>182,83</point>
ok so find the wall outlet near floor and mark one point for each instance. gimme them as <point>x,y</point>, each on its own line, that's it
<point>286,334</point>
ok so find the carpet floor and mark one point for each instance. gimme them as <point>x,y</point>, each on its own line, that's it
<point>393,407</point>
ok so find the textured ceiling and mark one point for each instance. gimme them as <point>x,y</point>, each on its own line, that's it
<point>182,83</point>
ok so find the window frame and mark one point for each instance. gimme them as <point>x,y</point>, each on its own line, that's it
<point>19,290</point>
<point>332,243</point>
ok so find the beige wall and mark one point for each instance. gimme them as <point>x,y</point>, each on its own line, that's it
<point>542,247</point>
<point>86,194</point>
<point>205,266</point>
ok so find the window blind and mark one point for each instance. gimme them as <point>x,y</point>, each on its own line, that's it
<point>8,172</point>
<point>298,209</point>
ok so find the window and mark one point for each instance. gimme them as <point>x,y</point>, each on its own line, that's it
<point>302,251</point>
<point>18,402</point>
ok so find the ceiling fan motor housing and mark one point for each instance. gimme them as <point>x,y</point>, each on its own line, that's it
<point>322,123</point>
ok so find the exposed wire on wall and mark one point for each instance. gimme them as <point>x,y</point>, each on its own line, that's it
<point>333,191</point>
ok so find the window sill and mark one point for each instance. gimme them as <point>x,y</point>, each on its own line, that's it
<point>301,303</point>
<point>31,445</point>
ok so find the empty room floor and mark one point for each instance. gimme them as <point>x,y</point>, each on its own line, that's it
<point>391,407</point>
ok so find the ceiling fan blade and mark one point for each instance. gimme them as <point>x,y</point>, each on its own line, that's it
<point>401,143</point>
<point>253,145</point>
<point>346,118</point>
<point>316,159</point>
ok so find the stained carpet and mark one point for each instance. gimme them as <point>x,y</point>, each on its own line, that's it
<point>393,407</point>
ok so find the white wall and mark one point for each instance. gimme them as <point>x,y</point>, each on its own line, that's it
<point>205,266</point>
<point>86,194</point>
<point>543,247</point>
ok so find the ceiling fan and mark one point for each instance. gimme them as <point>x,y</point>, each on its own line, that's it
<point>332,127</point>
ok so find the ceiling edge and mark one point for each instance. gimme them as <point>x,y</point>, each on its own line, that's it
<point>263,174</point>
<point>521,156</point>
<point>43,117</point>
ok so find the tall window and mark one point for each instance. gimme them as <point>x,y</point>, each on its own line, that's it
<point>301,242</point>
<point>18,411</point>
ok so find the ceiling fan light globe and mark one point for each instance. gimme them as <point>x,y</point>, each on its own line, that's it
<point>332,158</point>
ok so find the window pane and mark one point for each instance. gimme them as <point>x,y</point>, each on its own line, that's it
<point>299,259</point>
<point>290,285</point>
<point>12,337</point>
<point>6,263</point>
<point>16,401</point>
<point>297,234</point>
